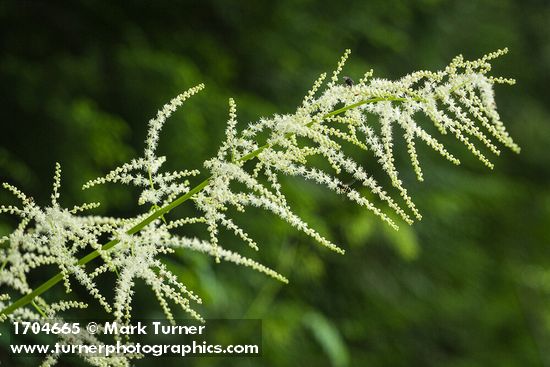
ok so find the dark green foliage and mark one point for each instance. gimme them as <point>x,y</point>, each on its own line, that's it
<point>461,288</point>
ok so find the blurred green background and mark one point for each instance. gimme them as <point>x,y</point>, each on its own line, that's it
<point>469,285</point>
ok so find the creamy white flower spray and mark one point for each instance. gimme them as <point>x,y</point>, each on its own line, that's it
<point>246,172</point>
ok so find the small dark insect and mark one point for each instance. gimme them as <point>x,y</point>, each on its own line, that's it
<point>348,81</point>
<point>345,188</point>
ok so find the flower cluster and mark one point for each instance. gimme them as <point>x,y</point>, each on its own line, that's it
<point>458,99</point>
<point>311,143</point>
<point>157,188</point>
<point>52,236</point>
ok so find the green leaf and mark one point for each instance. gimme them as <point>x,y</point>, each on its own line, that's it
<point>328,336</point>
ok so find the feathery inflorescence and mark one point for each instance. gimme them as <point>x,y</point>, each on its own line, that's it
<point>246,172</point>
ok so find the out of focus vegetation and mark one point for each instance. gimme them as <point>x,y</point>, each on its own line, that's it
<point>467,286</point>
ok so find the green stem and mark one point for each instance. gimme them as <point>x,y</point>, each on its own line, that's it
<point>28,298</point>
<point>4,263</point>
<point>39,309</point>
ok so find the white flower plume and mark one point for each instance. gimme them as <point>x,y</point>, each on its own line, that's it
<point>313,143</point>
